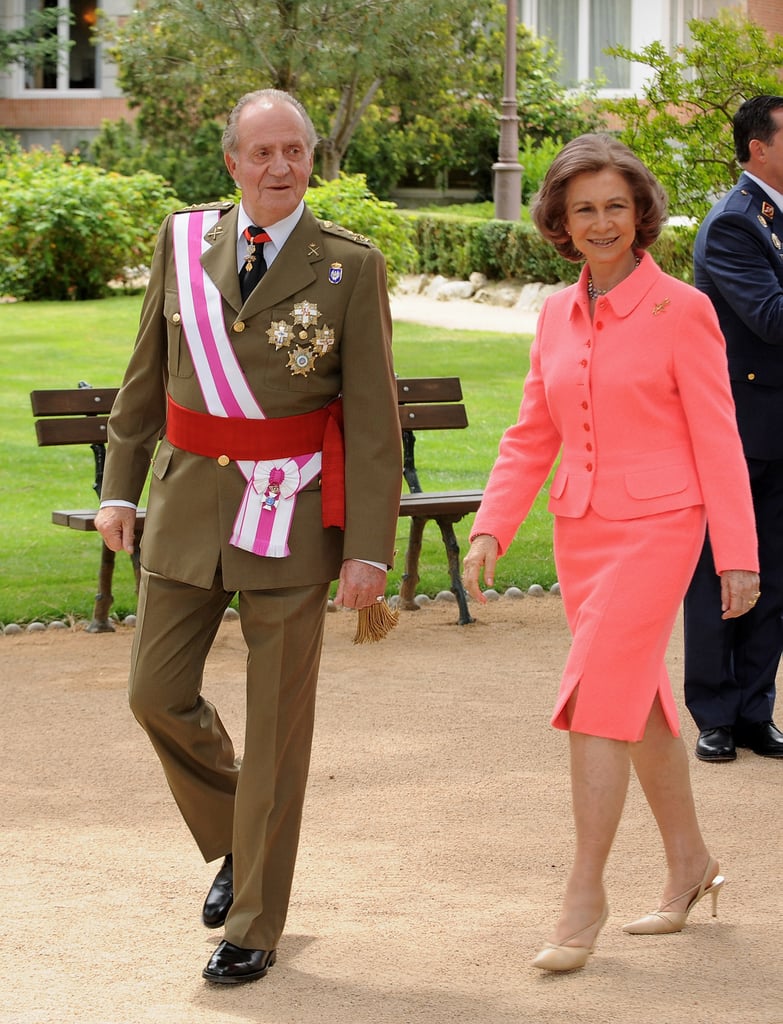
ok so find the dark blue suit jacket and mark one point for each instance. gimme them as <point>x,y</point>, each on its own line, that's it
<point>738,263</point>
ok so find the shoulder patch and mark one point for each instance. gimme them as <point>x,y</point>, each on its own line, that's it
<point>335,229</point>
<point>225,206</point>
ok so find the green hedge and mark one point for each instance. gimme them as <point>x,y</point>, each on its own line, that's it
<point>457,246</point>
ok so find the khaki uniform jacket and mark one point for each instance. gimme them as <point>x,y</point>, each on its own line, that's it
<point>193,499</point>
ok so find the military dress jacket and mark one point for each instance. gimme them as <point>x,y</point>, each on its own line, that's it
<point>193,499</point>
<point>738,263</point>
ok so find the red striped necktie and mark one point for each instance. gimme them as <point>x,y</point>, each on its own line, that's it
<point>254,267</point>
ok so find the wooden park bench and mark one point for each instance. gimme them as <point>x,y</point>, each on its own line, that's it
<point>79,416</point>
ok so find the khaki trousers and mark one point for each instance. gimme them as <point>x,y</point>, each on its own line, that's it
<point>250,806</point>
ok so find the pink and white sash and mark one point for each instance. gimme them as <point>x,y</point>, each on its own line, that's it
<point>263,522</point>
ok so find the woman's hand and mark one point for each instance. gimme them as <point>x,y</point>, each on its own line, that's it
<point>483,554</point>
<point>739,591</point>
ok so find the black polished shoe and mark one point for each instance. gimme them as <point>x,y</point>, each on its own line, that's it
<point>716,745</point>
<point>220,896</point>
<point>763,738</point>
<point>232,965</point>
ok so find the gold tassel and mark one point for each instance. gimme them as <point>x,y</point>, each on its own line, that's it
<point>375,621</point>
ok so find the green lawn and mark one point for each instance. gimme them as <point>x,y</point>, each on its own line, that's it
<point>50,572</point>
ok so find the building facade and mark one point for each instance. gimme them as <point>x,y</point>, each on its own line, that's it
<point>65,102</point>
<point>583,29</point>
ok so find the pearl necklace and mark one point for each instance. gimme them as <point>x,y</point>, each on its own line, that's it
<point>593,292</point>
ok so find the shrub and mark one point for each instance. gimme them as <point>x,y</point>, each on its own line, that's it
<point>67,229</point>
<point>347,201</point>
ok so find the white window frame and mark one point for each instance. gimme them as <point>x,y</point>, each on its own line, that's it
<point>651,20</point>
<point>62,89</point>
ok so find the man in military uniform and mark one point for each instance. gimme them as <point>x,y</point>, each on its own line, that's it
<point>261,390</point>
<point>730,665</point>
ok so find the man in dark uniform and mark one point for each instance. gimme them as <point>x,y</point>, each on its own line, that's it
<point>730,665</point>
<point>263,362</point>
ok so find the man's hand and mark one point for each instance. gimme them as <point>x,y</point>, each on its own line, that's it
<point>116,524</point>
<point>360,584</point>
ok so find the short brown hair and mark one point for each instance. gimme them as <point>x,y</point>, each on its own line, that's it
<point>589,154</point>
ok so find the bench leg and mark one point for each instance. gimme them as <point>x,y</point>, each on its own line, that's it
<point>104,598</point>
<point>410,578</point>
<point>452,552</point>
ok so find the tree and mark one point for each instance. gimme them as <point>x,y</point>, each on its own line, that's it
<point>682,125</point>
<point>37,42</point>
<point>181,61</point>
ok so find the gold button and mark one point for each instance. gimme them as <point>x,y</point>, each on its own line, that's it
<point>751,376</point>
<point>239,326</point>
<point>223,460</point>
<point>176,319</point>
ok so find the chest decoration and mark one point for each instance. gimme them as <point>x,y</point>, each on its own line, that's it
<point>302,337</point>
<point>660,307</point>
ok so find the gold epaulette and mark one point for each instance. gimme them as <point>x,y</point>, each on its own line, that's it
<point>335,229</point>
<point>225,205</point>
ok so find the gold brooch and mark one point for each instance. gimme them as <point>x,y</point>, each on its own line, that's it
<point>659,307</point>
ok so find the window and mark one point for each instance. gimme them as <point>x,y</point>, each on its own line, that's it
<point>77,62</point>
<point>581,30</point>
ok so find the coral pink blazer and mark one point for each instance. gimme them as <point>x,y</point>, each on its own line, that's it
<point>639,403</point>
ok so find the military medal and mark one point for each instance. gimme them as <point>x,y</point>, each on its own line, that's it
<point>768,210</point>
<point>301,361</point>
<point>253,236</point>
<point>280,334</point>
<point>305,345</point>
<point>335,273</point>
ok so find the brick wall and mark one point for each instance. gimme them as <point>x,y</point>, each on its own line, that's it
<point>16,114</point>
<point>768,13</point>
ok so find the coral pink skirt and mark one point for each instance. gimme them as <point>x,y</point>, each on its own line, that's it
<point>622,583</point>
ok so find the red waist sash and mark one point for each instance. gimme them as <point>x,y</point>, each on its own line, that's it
<point>268,439</point>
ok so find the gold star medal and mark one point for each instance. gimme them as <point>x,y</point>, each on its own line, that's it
<point>301,361</point>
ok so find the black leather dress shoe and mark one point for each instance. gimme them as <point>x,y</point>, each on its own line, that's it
<point>231,965</point>
<point>763,738</point>
<point>716,745</point>
<point>220,896</point>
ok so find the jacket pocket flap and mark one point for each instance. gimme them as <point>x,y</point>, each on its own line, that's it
<point>654,483</point>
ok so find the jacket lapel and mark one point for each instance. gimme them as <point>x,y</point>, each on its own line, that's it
<point>220,259</point>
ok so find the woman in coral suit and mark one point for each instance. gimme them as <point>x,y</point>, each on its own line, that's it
<point>628,383</point>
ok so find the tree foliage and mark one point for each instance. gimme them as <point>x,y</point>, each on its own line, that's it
<point>681,126</point>
<point>36,42</point>
<point>393,86</point>
<point>183,60</point>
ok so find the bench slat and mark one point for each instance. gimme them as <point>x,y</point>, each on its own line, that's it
<point>73,401</point>
<point>429,389</point>
<point>432,417</point>
<point>84,519</point>
<point>86,430</point>
<point>440,503</point>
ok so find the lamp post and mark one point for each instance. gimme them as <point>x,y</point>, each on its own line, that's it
<point>508,171</point>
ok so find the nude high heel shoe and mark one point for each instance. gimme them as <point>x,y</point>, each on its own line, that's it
<point>666,922</point>
<point>569,958</point>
